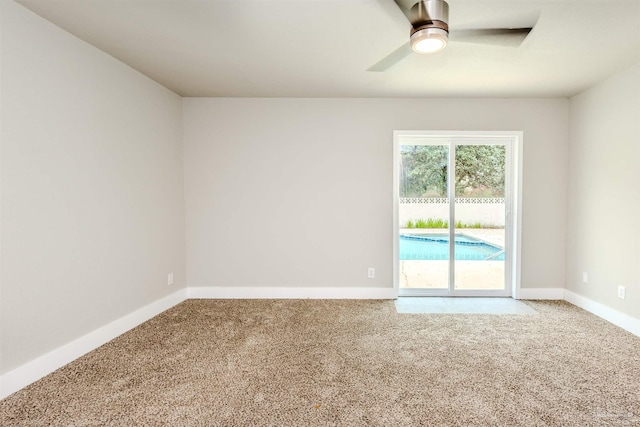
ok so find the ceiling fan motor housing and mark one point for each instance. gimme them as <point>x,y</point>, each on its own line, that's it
<point>430,14</point>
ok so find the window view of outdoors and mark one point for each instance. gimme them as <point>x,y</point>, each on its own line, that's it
<point>479,171</point>
<point>479,217</point>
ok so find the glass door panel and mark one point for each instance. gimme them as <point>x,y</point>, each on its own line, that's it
<point>479,217</point>
<point>424,212</point>
<point>460,248</point>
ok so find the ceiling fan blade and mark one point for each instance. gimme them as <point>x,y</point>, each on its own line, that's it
<point>406,7</point>
<point>494,36</point>
<point>393,58</point>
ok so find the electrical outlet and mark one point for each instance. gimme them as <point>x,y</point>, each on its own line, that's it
<point>371,273</point>
<point>170,279</point>
<point>585,277</point>
<point>621,292</point>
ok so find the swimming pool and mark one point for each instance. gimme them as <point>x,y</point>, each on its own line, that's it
<point>436,247</point>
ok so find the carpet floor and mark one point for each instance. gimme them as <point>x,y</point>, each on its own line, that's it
<point>345,363</point>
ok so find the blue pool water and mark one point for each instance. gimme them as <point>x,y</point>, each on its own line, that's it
<point>436,247</point>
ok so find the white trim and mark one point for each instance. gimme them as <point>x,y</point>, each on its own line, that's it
<point>517,161</point>
<point>451,195</point>
<point>272,292</point>
<point>32,371</point>
<point>609,314</point>
<point>540,293</point>
<point>396,209</point>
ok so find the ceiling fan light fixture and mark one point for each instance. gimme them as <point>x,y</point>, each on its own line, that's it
<point>429,40</point>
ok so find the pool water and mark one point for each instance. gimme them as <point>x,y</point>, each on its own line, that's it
<point>436,247</point>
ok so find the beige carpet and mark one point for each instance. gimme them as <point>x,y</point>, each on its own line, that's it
<point>345,363</point>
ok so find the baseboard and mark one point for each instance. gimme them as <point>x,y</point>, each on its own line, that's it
<point>609,314</point>
<point>32,371</point>
<point>270,292</point>
<point>540,293</point>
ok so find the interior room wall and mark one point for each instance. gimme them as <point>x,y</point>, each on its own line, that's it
<point>603,235</point>
<point>298,192</point>
<point>91,188</point>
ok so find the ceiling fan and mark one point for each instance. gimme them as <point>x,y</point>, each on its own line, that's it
<point>430,32</point>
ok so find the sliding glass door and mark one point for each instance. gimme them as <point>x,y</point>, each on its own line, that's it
<point>453,210</point>
<point>424,221</point>
<point>480,216</point>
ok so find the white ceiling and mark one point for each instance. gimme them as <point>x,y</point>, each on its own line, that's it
<point>322,48</point>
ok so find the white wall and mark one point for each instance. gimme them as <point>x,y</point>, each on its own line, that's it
<point>298,192</point>
<point>91,188</point>
<point>604,197</point>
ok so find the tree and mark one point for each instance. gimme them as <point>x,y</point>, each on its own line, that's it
<point>480,170</point>
<point>423,171</point>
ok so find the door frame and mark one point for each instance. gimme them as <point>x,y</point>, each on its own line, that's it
<point>513,206</point>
